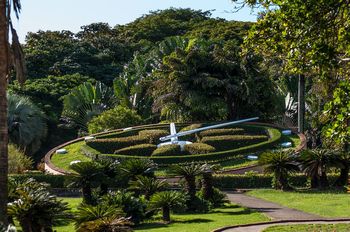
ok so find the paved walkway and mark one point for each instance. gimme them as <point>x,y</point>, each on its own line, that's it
<point>274,211</point>
<point>279,215</point>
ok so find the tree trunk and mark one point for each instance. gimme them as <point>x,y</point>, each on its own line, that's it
<point>324,180</point>
<point>301,103</point>
<point>3,112</point>
<point>166,214</point>
<point>208,186</point>
<point>26,225</point>
<point>314,182</point>
<point>343,178</point>
<point>191,191</point>
<point>87,195</point>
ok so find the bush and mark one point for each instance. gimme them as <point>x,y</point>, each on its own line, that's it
<point>226,142</point>
<point>168,150</point>
<point>153,135</point>
<point>118,117</point>
<point>231,181</point>
<point>137,150</point>
<point>191,137</point>
<point>217,200</point>
<point>198,148</point>
<point>218,132</point>
<point>55,181</point>
<point>201,205</point>
<point>109,146</point>
<point>18,162</point>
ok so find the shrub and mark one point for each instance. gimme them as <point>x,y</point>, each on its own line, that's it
<point>117,117</point>
<point>137,150</point>
<point>167,150</point>
<point>55,181</point>
<point>218,199</point>
<point>218,132</point>
<point>153,135</point>
<point>225,142</point>
<point>18,162</point>
<point>191,137</point>
<point>198,148</point>
<point>108,146</point>
<point>230,181</point>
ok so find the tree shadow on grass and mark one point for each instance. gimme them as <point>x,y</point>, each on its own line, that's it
<point>154,225</point>
<point>244,211</point>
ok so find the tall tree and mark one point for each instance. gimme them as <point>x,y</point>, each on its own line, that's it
<point>9,55</point>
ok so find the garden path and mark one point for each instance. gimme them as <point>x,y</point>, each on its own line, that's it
<point>279,215</point>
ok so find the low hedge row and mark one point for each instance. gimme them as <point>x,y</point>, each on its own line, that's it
<point>111,145</point>
<point>225,142</point>
<point>167,150</point>
<point>218,132</point>
<point>198,148</point>
<point>230,181</point>
<point>274,138</point>
<point>153,135</point>
<point>55,181</point>
<point>138,150</point>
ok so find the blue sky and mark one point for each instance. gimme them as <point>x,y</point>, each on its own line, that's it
<point>71,14</point>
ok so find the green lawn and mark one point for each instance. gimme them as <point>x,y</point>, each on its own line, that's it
<point>327,204</point>
<point>230,215</point>
<point>310,228</point>
<point>74,153</point>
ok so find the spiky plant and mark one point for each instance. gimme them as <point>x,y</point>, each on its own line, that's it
<point>189,173</point>
<point>135,167</point>
<point>166,201</point>
<point>86,175</point>
<point>35,208</point>
<point>315,164</point>
<point>281,163</point>
<point>26,123</point>
<point>148,185</point>
<point>207,181</point>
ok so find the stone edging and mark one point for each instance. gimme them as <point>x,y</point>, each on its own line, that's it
<point>280,222</point>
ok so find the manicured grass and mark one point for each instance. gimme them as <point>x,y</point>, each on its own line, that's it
<point>230,215</point>
<point>327,204</point>
<point>238,162</point>
<point>73,204</point>
<point>291,138</point>
<point>310,228</point>
<point>74,153</point>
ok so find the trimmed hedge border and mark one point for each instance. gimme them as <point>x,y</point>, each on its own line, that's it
<point>275,136</point>
<point>51,168</point>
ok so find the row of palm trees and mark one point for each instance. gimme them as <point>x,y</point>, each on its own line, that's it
<point>314,163</point>
<point>137,176</point>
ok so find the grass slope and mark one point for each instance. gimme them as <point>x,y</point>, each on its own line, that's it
<point>73,153</point>
<point>327,204</point>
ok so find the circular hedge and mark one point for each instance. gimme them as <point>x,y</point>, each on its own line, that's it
<point>235,142</point>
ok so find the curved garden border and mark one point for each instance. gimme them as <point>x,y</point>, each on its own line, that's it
<point>281,222</point>
<point>51,168</point>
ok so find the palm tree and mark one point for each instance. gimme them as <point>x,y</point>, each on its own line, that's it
<point>148,185</point>
<point>281,163</point>
<point>7,51</point>
<point>189,173</point>
<point>166,201</point>
<point>135,167</point>
<point>86,175</point>
<point>315,164</point>
<point>26,123</point>
<point>207,181</point>
<point>344,163</point>
<point>85,102</point>
<point>35,208</point>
